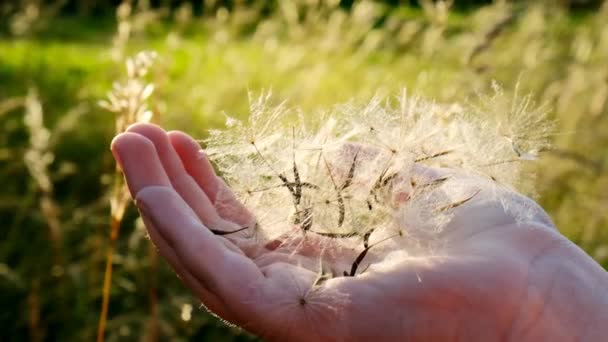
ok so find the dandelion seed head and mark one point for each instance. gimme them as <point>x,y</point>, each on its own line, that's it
<point>384,166</point>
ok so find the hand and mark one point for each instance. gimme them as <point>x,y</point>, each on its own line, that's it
<point>495,278</point>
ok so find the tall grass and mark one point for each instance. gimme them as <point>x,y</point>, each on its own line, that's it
<point>127,101</point>
<point>314,54</point>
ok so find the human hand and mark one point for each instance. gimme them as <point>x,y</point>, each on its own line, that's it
<point>494,278</point>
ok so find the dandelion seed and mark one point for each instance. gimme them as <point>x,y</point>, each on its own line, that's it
<point>363,172</point>
<point>433,156</point>
<point>458,203</point>
<point>221,232</point>
<point>361,256</point>
<point>324,275</point>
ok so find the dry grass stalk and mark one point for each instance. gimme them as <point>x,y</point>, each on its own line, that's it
<point>128,101</point>
<point>33,305</point>
<point>38,157</point>
<point>10,104</point>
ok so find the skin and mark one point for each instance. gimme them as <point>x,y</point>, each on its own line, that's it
<point>495,278</point>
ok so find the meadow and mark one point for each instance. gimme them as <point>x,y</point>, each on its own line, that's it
<point>61,200</point>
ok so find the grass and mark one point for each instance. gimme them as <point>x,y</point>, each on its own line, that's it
<point>207,66</point>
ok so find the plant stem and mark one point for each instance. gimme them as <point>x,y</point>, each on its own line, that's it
<point>152,334</point>
<point>107,279</point>
<point>116,215</point>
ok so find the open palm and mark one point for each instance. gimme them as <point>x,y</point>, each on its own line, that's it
<point>495,277</point>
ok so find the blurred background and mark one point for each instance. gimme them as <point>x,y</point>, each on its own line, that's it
<point>61,203</point>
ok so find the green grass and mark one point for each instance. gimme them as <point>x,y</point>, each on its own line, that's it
<point>207,67</point>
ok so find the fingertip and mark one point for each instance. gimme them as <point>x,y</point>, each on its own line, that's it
<point>142,125</point>
<point>195,161</point>
<point>183,143</point>
<point>150,131</point>
<point>138,158</point>
<point>165,149</point>
<point>127,143</point>
<point>127,138</point>
<point>186,146</point>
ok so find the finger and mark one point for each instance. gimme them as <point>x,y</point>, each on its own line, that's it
<point>227,274</point>
<point>183,183</point>
<point>142,168</point>
<point>210,301</point>
<point>196,163</point>
<point>139,161</point>
<point>199,167</point>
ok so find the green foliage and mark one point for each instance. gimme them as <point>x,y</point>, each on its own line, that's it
<point>53,241</point>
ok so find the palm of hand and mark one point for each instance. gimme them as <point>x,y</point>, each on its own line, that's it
<point>477,288</point>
